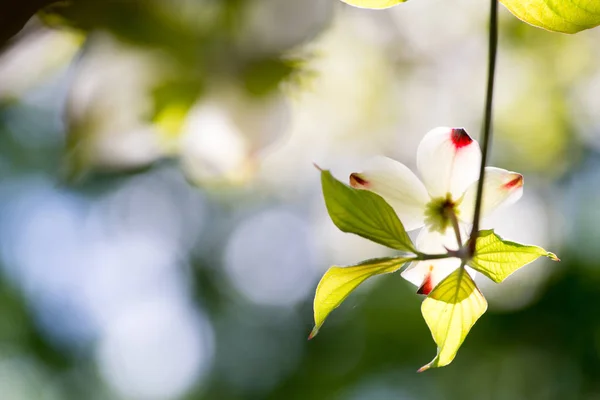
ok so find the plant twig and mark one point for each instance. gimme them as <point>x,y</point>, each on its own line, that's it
<point>487,119</point>
<point>456,227</point>
<point>425,256</point>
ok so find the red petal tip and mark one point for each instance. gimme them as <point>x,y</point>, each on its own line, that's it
<point>317,167</point>
<point>460,138</point>
<point>515,182</point>
<point>313,333</point>
<point>427,285</point>
<point>356,181</point>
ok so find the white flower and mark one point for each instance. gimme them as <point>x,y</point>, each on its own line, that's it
<point>448,161</point>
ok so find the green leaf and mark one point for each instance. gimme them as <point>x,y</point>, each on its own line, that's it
<point>364,213</point>
<point>339,282</point>
<point>172,100</point>
<point>375,4</point>
<point>450,311</point>
<point>566,16</point>
<point>264,76</point>
<point>497,258</point>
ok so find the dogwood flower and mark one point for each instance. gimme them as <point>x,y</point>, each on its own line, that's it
<point>448,161</point>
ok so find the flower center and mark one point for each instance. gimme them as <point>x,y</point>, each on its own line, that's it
<point>439,213</point>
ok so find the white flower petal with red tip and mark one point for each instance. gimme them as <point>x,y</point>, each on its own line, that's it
<point>426,275</point>
<point>398,186</point>
<point>448,160</point>
<point>500,188</point>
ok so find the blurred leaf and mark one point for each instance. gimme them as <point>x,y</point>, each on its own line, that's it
<point>170,119</point>
<point>450,311</point>
<point>140,22</point>
<point>364,213</point>
<point>339,282</point>
<point>566,16</point>
<point>497,258</point>
<point>172,101</point>
<point>263,76</point>
<point>375,4</point>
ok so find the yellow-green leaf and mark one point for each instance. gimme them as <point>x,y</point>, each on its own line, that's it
<point>364,213</point>
<point>450,311</point>
<point>497,258</point>
<point>339,282</point>
<point>374,4</point>
<point>567,16</point>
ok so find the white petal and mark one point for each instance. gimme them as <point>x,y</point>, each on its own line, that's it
<point>426,275</point>
<point>500,188</point>
<point>433,242</point>
<point>448,160</point>
<point>399,187</point>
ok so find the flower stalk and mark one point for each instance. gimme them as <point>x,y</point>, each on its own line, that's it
<point>425,256</point>
<point>451,215</point>
<point>487,119</point>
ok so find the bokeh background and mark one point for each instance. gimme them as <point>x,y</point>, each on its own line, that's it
<point>162,229</point>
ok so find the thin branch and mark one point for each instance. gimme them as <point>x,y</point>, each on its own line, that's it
<point>425,256</point>
<point>487,119</point>
<point>456,227</point>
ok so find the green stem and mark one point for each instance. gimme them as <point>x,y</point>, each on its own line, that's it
<point>456,227</point>
<point>424,256</point>
<point>487,119</point>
